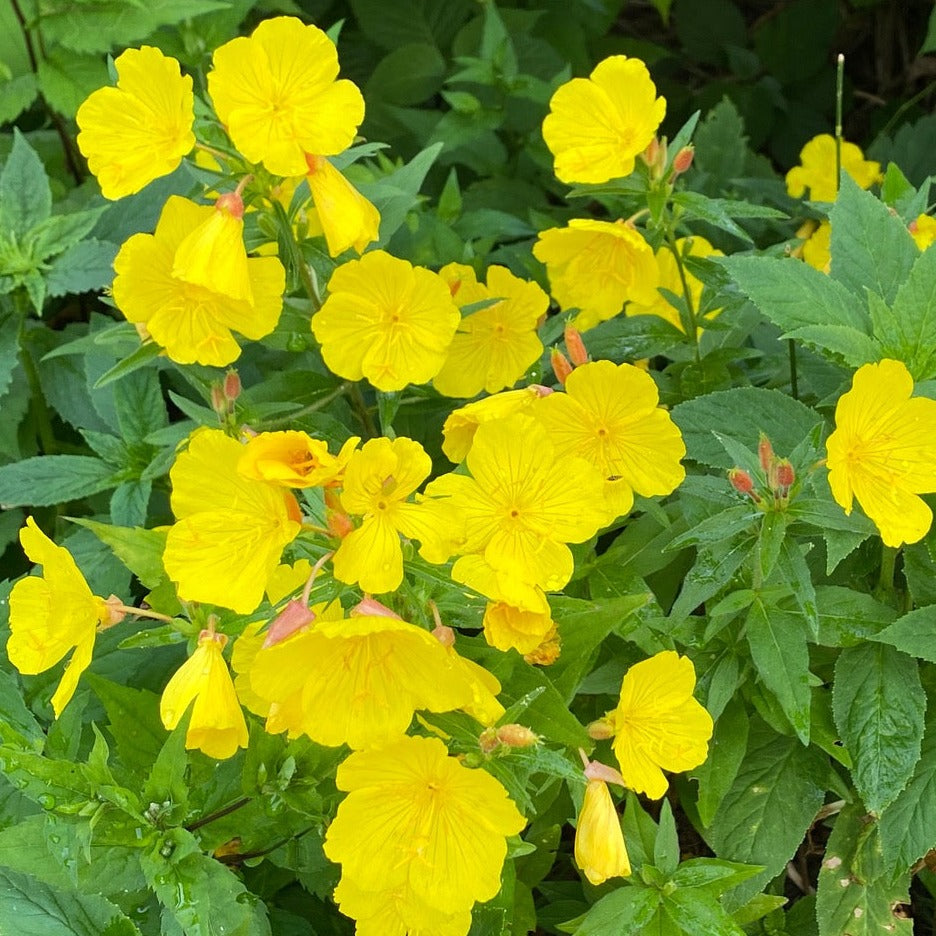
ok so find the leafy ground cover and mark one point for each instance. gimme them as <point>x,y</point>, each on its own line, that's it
<point>467,468</point>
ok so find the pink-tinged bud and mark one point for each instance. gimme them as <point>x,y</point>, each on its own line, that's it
<point>741,481</point>
<point>373,608</point>
<point>765,452</point>
<point>595,770</point>
<point>219,402</point>
<point>575,346</point>
<point>231,203</point>
<point>444,634</point>
<point>655,157</point>
<point>488,741</point>
<point>540,390</point>
<point>518,736</point>
<point>231,386</point>
<point>786,475</point>
<point>683,160</point>
<point>601,730</point>
<point>560,365</point>
<point>115,610</point>
<point>292,618</point>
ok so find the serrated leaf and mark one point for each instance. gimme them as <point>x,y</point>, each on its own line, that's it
<point>713,874</point>
<point>66,79</point>
<point>25,196</point>
<point>726,751</point>
<point>16,95</point>
<point>713,569</point>
<point>60,231</point>
<point>914,634</point>
<point>9,347</point>
<point>53,479</point>
<point>770,805</point>
<point>86,267</point>
<point>624,912</point>
<point>871,249</point>
<point>138,549</point>
<point>695,911</point>
<point>878,704</point>
<point>133,721</point>
<point>722,211</point>
<point>857,890</point>
<point>781,657</point>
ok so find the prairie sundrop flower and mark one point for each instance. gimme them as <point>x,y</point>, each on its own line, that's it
<point>883,451</point>
<point>217,726</point>
<point>670,279</point>
<point>610,416</point>
<point>347,218</point>
<point>398,911</point>
<point>597,266</point>
<point>599,840</point>
<point>230,530</point>
<point>51,614</point>
<point>385,320</point>
<point>493,346</point>
<point>377,482</point>
<point>187,307</point>
<point>816,171</point>
<point>657,724</point>
<point>141,129</point>
<point>523,502</point>
<point>293,459</point>
<point>277,95</point>
<point>417,822</point>
<point>598,125</point>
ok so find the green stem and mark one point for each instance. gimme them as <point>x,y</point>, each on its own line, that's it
<point>356,399</point>
<point>311,408</point>
<point>794,380</point>
<point>220,814</point>
<point>40,407</point>
<point>839,85</point>
<point>693,322</point>
<point>885,584</point>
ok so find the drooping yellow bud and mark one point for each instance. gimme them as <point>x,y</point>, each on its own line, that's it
<point>600,851</point>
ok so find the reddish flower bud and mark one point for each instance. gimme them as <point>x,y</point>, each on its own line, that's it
<point>741,481</point>
<point>575,346</point>
<point>444,634</point>
<point>488,740</point>
<point>231,203</point>
<point>292,618</point>
<point>231,386</point>
<point>560,365</point>
<point>683,160</point>
<point>219,402</point>
<point>518,736</point>
<point>785,475</point>
<point>765,452</point>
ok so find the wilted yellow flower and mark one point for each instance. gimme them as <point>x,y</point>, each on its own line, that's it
<point>347,218</point>
<point>883,451</point>
<point>385,320</point>
<point>276,94</point>
<point>230,530</point>
<point>217,726</point>
<point>493,346</point>
<point>397,912</point>
<point>460,427</point>
<point>293,459</point>
<point>597,266</point>
<point>694,246</point>
<point>599,840</point>
<point>923,231</point>
<point>141,129</point>
<point>657,724</point>
<point>816,171</point>
<point>416,818</point>
<point>51,614</point>
<point>597,126</point>
<point>524,502</point>
<point>191,320</point>
<point>359,680</point>
<point>610,416</point>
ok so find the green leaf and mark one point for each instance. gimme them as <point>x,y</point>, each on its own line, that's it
<point>410,74</point>
<point>138,549</point>
<point>53,479</point>
<point>29,907</point>
<point>741,413</point>
<point>713,874</point>
<point>16,95</point>
<point>772,802</point>
<point>86,267</point>
<point>721,143</point>
<point>929,40</point>
<point>25,196</point>
<point>624,912</point>
<point>848,617</point>
<point>726,752</point>
<point>129,503</point>
<point>721,211</point>
<point>878,704</point>
<point>781,657</point>
<point>695,911</point>
<point>66,79</point>
<point>914,634</point>
<point>871,248</point>
<point>858,891</point>
<point>714,567</point>
<point>9,347</point>
<point>133,721</point>
<point>60,231</point>
<point>666,846</point>
<point>133,361</point>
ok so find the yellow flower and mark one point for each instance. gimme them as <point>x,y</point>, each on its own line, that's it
<point>816,171</point>
<point>358,681</point>
<point>416,818</point>
<point>494,346</point>
<point>597,266</point>
<point>815,249</point>
<point>385,320</point>
<point>230,530</point>
<point>883,451</point>
<point>524,502</point>
<point>347,218</point>
<point>217,726</point>
<point>923,231</point>
<point>670,279</point>
<point>460,427</point>
<point>397,912</point>
<point>51,614</point>
<point>276,94</point>
<point>377,482</point>
<point>293,459</point>
<point>609,415</point>
<point>599,841</point>
<point>596,126</point>
<point>141,129</point>
<point>191,320</point>
<point>658,725</point>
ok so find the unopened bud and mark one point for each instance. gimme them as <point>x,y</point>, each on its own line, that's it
<point>373,608</point>
<point>231,386</point>
<point>741,481</point>
<point>444,634</point>
<point>115,610</point>
<point>601,730</point>
<point>765,452</point>
<point>785,475</point>
<point>488,740</point>
<point>339,523</point>
<point>595,770</point>
<point>219,402</point>
<point>231,203</point>
<point>575,346</point>
<point>560,365</point>
<point>655,157</point>
<point>518,736</point>
<point>292,618</point>
<point>683,160</point>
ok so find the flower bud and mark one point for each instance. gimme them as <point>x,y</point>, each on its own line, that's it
<point>231,386</point>
<point>444,634</point>
<point>575,346</point>
<point>785,476</point>
<point>742,482</point>
<point>560,365</point>
<point>601,730</point>
<point>765,452</point>
<point>219,402</point>
<point>373,608</point>
<point>683,160</point>
<point>600,850</point>
<point>488,740</point>
<point>518,736</point>
<point>231,203</point>
<point>292,618</point>
<point>115,610</point>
